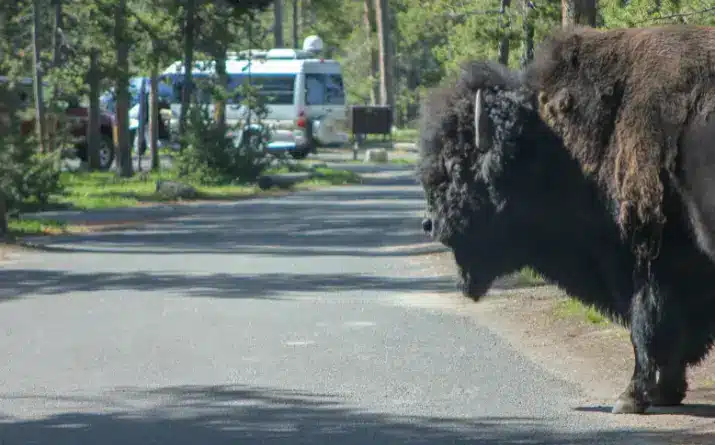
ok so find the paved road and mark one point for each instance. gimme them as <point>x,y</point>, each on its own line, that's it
<point>269,321</point>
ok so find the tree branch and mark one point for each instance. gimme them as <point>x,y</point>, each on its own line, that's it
<point>675,16</point>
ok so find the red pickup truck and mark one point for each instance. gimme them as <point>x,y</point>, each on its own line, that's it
<point>76,116</point>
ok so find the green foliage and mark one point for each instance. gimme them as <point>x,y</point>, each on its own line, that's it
<point>430,39</point>
<point>210,157</point>
<point>571,308</point>
<point>25,174</point>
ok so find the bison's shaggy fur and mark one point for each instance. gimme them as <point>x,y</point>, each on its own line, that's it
<point>621,99</point>
<point>517,192</point>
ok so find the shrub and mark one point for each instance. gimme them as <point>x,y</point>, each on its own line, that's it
<point>211,157</point>
<point>25,174</point>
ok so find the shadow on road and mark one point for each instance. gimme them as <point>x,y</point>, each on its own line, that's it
<point>354,221</point>
<point>17,283</point>
<point>687,409</point>
<point>244,415</point>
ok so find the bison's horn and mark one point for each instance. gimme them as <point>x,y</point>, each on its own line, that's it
<point>480,122</point>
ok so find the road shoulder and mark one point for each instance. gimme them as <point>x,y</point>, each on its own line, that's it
<point>595,356</point>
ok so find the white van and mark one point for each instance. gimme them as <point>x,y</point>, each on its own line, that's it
<point>304,95</point>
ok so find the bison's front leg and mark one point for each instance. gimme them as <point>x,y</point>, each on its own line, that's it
<point>644,316</point>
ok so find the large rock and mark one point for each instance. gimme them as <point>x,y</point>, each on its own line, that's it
<point>317,165</point>
<point>175,190</point>
<point>283,180</point>
<point>378,155</point>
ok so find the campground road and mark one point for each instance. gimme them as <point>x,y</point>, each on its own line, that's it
<point>268,321</point>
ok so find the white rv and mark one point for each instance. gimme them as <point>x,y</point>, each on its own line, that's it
<point>304,96</point>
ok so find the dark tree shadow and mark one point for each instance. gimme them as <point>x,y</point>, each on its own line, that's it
<point>383,221</point>
<point>16,283</point>
<point>248,415</point>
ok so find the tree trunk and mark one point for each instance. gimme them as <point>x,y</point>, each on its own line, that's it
<point>578,12</point>
<point>3,216</point>
<point>504,22</point>
<point>143,118</point>
<point>374,66</point>
<point>154,114</point>
<point>37,75</point>
<point>57,29</point>
<point>278,23</point>
<point>528,34</point>
<point>93,129</point>
<point>383,32</point>
<point>189,25</point>
<point>307,14</point>
<point>56,62</point>
<point>220,105</point>
<point>124,155</point>
<point>296,44</point>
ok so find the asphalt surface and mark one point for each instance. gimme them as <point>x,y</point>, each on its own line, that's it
<point>269,321</point>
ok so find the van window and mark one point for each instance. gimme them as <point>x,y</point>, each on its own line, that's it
<point>324,89</point>
<point>274,89</point>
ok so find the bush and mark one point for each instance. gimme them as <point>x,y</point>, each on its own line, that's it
<point>25,174</point>
<point>210,157</point>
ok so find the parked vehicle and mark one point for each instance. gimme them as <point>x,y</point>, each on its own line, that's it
<point>73,114</point>
<point>304,96</point>
<point>108,100</point>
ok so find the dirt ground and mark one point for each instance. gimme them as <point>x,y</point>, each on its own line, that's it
<point>596,356</point>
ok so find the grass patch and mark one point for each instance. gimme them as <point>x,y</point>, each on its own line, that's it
<point>410,135</point>
<point>402,161</point>
<point>323,176</point>
<point>572,308</point>
<point>528,277</point>
<point>405,135</point>
<point>390,160</point>
<point>330,177</point>
<point>30,227</point>
<point>102,190</point>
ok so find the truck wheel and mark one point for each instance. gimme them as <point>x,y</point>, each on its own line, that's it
<point>299,154</point>
<point>106,152</point>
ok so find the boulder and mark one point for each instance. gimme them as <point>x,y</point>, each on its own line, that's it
<point>318,165</point>
<point>378,155</point>
<point>175,190</point>
<point>284,180</point>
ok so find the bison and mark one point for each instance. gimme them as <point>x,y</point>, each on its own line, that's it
<point>552,168</point>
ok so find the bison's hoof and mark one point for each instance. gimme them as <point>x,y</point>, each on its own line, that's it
<point>628,406</point>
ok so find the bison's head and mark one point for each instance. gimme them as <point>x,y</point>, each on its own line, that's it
<point>481,151</point>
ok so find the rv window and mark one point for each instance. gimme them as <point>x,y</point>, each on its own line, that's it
<point>324,89</point>
<point>274,89</point>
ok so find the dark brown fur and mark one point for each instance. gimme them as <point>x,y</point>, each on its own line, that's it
<point>621,100</point>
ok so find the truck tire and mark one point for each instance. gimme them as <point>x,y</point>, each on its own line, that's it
<point>106,151</point>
